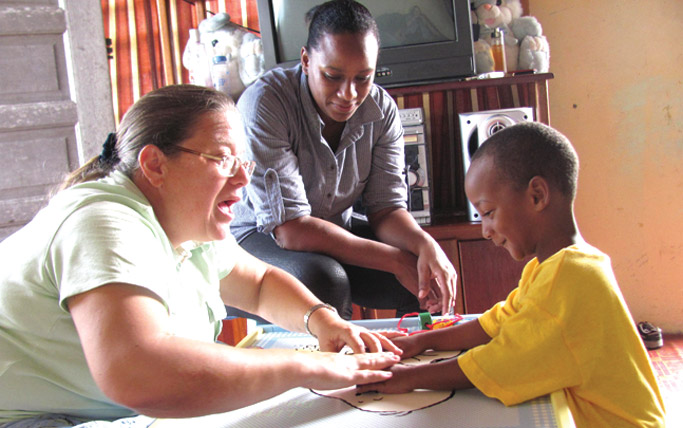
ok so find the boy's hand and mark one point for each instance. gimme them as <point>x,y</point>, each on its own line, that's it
<point>443,375</point>
<point>399,383</point>
<point>410,345</point>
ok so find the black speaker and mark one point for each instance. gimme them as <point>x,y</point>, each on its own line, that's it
<point>476,127</point>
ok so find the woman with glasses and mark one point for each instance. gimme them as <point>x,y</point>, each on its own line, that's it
<point>325,137</point>
<point>111,298</point>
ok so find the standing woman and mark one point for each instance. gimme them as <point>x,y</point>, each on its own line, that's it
<point>112,297</point>
<point>323,136</point>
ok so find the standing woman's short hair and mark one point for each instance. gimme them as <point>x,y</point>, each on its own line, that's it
<point>338,17</point>
<point>164,117</point>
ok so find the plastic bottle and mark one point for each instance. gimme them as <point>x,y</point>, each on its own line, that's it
<point>196,60</point>
<point>498,51</point>
<point>220,74</point>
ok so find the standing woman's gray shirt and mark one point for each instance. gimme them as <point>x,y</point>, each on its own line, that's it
<point>298,174</point>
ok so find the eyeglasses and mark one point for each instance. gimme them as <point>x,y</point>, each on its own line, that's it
<point>230,164</point>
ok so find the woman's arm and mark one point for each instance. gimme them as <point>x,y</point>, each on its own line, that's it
<point>137,362</point>
<point>312,234</point>
<point>279,297</point>
<point>436,274</point>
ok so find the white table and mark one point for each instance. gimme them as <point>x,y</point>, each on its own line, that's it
<point>301,407</point>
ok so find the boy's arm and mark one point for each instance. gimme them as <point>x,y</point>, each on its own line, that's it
<point>466,335</point>
<point>456,338</point>
<point>442,376</point>
<point>437,376</point>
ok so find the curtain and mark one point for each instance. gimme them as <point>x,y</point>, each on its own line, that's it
<point>146,39</point>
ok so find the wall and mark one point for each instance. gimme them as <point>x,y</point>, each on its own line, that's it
<point>148,38</point>
<point>617,95</point>
<point>55,101</point>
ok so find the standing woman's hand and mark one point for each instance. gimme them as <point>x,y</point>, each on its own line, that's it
<point>436,275</point>
<point>437,278</point>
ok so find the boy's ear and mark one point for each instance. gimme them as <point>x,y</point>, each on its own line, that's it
<point>539,192</point>
<point>152,164</point>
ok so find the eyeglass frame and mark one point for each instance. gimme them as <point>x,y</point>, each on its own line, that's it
<point>248,165</point>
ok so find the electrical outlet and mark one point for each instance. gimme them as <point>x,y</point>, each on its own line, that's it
<point>411,116</point>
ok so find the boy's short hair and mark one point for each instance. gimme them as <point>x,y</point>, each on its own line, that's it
<point>528,149</point>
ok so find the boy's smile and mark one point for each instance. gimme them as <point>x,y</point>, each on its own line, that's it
<point>506,211</point>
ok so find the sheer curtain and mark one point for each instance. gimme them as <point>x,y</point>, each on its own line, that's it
<point>147,38</point>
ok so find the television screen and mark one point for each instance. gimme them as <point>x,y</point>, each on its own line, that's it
<point>420,40</point>
<point>401,23</point>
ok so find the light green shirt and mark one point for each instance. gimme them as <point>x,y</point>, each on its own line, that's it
<point>92,234</point>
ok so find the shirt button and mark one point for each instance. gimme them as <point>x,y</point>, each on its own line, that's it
<point>329,195</point>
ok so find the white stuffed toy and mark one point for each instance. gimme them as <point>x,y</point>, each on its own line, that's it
<point>534,51</point>
<point>525,46</point>
<point>243,50</point>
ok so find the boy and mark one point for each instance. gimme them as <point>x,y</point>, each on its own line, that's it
<point>566,325</point>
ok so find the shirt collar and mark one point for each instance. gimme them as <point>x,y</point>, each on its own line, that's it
<point>184,251</point>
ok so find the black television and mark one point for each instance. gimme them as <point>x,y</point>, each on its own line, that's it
<point>421,41</point>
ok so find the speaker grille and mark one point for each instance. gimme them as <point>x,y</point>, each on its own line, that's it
<point>476,127</point>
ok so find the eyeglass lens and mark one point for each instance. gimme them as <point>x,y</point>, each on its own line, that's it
<point>233,163</point>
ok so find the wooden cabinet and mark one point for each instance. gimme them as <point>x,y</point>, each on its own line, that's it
<point>486,273</point>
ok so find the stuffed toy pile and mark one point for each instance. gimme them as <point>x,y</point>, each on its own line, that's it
<point>526,48</point>
<point>242,49</point>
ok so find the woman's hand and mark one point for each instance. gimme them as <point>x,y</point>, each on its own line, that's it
<point>437,277</point>
<point>328,370</point>
<point>407,272</point>
<point>401,381</point>
<point>436,274</point>
<point>334,333</point>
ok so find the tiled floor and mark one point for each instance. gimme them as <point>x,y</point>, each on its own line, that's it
<point>668,364</point>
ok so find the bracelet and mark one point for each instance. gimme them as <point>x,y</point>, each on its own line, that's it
<point>307,317</point>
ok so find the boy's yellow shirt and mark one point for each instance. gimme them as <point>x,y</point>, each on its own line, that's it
<point>566,326</point>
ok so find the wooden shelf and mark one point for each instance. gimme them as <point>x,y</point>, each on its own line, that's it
<point>518,79</point>
<point>441,104</point>
<point>459,230</point>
